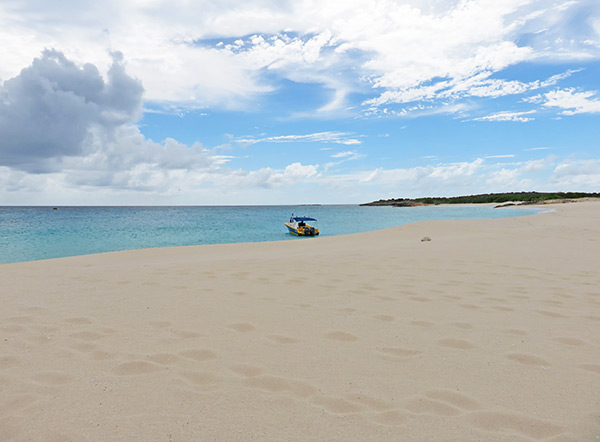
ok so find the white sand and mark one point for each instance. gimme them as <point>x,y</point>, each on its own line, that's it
<point>490,332</point>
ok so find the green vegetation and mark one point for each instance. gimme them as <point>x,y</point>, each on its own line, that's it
<point>526,197</point>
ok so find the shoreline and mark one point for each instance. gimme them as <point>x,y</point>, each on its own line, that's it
<point>442,206</point>
<point>490,331</point>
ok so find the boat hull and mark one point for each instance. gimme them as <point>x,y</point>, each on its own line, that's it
<point>302,231</point>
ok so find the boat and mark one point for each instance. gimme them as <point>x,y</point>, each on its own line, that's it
<point>297,226</point>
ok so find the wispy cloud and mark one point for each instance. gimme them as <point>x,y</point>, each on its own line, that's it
<point>507,116</point>
<point>342,157</point>
<point>318,137</point>
<point>347,154</point>
<point>480,84</point>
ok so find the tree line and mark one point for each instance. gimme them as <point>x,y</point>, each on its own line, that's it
<point>485,198</point>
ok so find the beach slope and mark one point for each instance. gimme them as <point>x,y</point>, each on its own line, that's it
<point>490,331</point>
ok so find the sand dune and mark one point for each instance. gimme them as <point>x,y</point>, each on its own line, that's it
<point>490,331</point>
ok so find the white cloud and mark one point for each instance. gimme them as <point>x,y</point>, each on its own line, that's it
<point>583,175</point>
<point>477,176</point>
<point>519,176</point>
<point>572,101</point>
<point>65,127</point>
<point>478,85</point>
<point>505,179</point>
<point>267,178</point>
<point>70,127</point>
<point>395,47</point>
<point>431,176</point>
<point>507,116</point>
<point>346,154</point>
<point>49,111</point>
<point>420,110</point>
<point>318,137</point>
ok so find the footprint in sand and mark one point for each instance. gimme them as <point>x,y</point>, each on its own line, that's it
<point>246,370</point>
<point>527,359</point>
<point>594,368</point>
<point>78,321</point>
<point>282,339</point>
<point>459,344</point>
<point>341,336</point>
<point>201,378</point>
<point>385,318</point>
<point>199,355</point>
<point>553,302</point>
<point>163,358</point>
<point>278,384</point>
<point>420,298</point>
<point>304,305</point>
<point>551,314</point>
<point>136,368</point>
<point>242,327</point>
<point>187,334</point>
<point>569,341</point>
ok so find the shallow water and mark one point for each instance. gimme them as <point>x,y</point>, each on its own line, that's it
<point>33,233</point>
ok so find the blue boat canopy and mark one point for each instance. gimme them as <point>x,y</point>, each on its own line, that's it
<point>303,218</point>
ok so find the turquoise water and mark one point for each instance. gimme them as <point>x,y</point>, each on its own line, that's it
<point>32,233</point>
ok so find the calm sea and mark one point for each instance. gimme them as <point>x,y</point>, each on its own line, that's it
<point>32,233</point>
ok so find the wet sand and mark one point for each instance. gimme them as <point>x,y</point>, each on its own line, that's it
<point>490,331</point>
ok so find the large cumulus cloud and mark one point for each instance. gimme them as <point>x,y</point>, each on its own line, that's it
<point>48,111</point>
<point>66,127</point>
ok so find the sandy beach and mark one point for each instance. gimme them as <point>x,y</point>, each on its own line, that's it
<point>488,332</point>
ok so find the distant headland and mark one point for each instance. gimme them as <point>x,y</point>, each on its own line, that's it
<point>502,199</point>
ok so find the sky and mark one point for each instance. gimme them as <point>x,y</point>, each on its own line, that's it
<point>258,102</point>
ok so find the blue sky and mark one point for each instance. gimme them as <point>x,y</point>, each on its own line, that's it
<point>261,102</point>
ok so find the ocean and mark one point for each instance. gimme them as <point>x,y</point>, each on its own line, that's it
<point>34,233</point>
